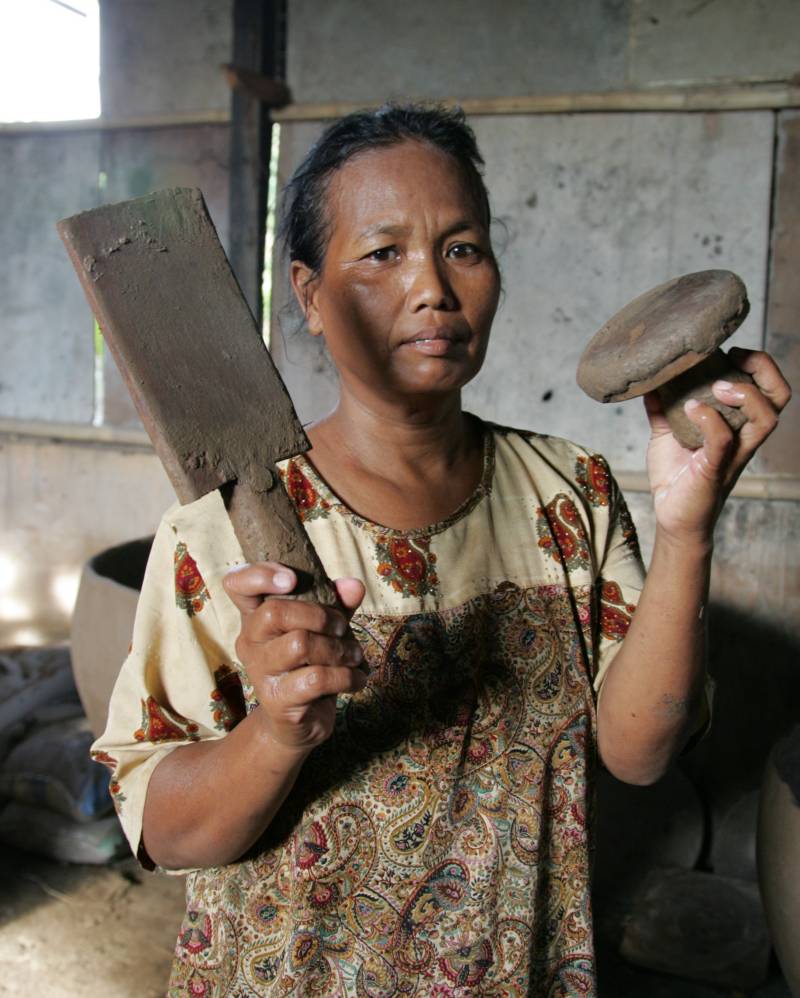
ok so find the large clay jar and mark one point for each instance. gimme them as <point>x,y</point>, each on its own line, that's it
<point>778,848</point>
<point>102,623</point>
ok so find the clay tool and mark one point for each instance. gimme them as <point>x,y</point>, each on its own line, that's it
<point>201,377</point>
<point>667,340</point>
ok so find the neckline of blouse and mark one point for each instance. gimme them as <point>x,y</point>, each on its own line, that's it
<point>482,490</point>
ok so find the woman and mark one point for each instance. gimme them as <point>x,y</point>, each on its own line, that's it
<point>400,808</point>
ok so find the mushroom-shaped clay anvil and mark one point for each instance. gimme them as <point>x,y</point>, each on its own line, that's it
<point>668,340</point>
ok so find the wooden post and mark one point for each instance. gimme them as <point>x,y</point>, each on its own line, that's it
<point>257,45</point>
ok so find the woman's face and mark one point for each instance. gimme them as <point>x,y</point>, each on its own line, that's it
<point>409,286</point>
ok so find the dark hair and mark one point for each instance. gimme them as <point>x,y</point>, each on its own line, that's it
<point>304,224</point>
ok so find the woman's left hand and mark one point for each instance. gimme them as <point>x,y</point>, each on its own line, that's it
<point>689,487</point>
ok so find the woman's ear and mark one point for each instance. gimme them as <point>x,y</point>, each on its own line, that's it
<point>306,286</point>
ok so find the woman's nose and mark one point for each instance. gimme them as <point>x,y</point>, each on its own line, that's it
<point>430,287</point>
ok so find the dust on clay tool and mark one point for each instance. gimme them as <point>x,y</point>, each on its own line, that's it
<point>667,340</point>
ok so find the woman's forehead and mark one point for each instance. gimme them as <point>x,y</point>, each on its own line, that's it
<point>385,186</point>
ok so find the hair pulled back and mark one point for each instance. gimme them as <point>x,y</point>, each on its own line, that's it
<point>304,223</point>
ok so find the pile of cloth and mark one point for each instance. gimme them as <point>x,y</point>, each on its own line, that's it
<point>54,799</point>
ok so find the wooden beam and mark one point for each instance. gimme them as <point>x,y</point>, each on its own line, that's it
<point>256,47</point>
<point>211,117</point>
<point>727,97</point>
<point>769,487</point>
<point>115,437</point>
<point>781,453</point>
<point>730,97</point>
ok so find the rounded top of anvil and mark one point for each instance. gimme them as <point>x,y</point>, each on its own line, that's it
<point>661,334</point>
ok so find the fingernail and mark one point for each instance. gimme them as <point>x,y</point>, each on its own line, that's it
<point>355,654</point>
<point>282,579</point>
<point>339,628</point>
<point>732,390</point>
<point>237,568</point>
<point>690,404</point>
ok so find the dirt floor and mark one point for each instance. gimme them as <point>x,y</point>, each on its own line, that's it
<point>108,932</point>
<point>83,931</point>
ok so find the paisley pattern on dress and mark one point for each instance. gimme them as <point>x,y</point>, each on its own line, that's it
<point>307,500</point>
<point>615,613</point>
<point>561,532</point>
<point>437,843</point>
<point>227,705</point>
<point>191,593</point>
<point>628,529</point>
<point>160,724</point>
<point>406,563</point>
<point>466,760</point>
<point>594,478</point>
<point>114,788</point>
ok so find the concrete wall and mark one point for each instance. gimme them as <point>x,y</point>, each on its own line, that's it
<point>355,51</point>
<point>163,56</point>
<point>63,500</point>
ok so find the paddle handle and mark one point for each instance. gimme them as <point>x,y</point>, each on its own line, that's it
<point>268,528</point>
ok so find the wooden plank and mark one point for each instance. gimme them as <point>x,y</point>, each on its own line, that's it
<point>734,97</point>
<point>204,385</point>
<point>173,120</point>
<point>766,96</point>
<point>781,453</point>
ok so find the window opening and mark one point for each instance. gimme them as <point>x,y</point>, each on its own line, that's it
<point>269,239</point>
<point>49,60</point>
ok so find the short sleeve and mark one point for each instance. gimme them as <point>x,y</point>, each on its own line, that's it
<point>180,682</point>
<point>620,573</point>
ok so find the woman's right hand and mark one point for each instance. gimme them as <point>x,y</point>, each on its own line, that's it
<point>298,655</point>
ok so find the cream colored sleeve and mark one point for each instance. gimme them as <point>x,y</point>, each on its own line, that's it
<point>620,577</point>
<point>180,682</point>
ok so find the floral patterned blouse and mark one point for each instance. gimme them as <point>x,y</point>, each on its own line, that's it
<point>436,844</point>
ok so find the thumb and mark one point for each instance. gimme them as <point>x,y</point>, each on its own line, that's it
<point>351,593</point>
<point>655,414</point>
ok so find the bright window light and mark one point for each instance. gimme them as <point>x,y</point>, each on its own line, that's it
<point>49,60</point>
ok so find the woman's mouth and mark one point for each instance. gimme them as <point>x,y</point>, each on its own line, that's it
<point>437,342</point>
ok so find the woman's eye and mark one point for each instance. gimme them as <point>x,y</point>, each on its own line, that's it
<point>460,251</point>
<point>384,254</point>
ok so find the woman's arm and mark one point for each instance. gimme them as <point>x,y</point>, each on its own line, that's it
<point>208,802</point>
<point>653,689</point>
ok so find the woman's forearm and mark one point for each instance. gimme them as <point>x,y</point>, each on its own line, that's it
<point>207,803</point>
<point>651,695</point>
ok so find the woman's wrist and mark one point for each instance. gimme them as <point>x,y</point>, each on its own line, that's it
<point>282,756</point>
<point>692,548</point>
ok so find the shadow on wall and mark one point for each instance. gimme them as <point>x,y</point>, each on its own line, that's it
<point>756,667</point>
<point>701,817</point>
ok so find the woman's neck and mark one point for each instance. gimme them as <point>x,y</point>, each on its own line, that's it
<point>404,467</point>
